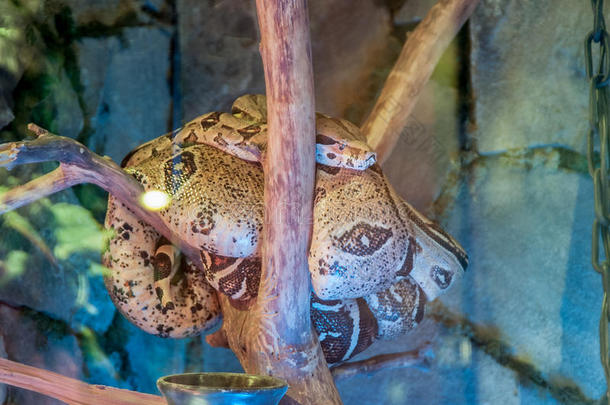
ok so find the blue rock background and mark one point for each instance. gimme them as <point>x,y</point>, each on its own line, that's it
<point>494,150</point>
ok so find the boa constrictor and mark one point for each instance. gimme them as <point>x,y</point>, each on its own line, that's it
<point>374,260</point>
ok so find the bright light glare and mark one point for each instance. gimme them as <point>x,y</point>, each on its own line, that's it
<point>155,200</point>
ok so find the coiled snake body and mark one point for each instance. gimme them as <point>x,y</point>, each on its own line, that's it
<point>374,261</point>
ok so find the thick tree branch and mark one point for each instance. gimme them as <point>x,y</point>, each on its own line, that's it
<point>418,58</point>
<point>69,390</point>
<point>275,336</point>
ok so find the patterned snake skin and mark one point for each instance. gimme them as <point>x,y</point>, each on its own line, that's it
<point>374,260</point>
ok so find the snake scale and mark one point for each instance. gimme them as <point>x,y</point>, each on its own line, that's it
<point>374,260</point>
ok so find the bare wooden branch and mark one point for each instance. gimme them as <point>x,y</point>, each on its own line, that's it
<point>77,165</point>
<point>275,336</point>
<point>290,165</point>
<point>69,390</point>
<point>36,189</point>
<point>419,358</point>
<point>418,58</point>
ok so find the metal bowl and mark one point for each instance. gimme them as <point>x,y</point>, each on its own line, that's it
<point>221,389</point>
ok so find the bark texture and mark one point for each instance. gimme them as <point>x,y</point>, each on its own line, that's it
<point>275,335</point>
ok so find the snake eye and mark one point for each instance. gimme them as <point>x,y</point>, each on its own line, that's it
<point>363,239</point>
<point>441,276</point>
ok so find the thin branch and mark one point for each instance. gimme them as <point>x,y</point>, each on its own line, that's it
<point>41,187</point>
<point>77,165</point>
<point>420,54</point>
<point>69,390</point>
<point>419,358</point>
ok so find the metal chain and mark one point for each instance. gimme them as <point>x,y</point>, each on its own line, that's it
<point>599,117</point>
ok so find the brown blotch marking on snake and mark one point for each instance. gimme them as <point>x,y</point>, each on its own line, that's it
<point>249,270</point>
<point>408,311</point>
<point>123,231</point>
<point>331,156</point>
<point>235,192</point>
<point>220,140</point>
<point>328,169</point>
<point>196,308</point>
<point>325,140</point>
<point>210,120</point>
<point>162,265</point>
<point>441,277</point>
<point>319,193</point>
<point>376,168</point>
<point>249,131</point>
<point>163,331</point>
<point>144,255</point>
<point>178,171</point>
<point>190,139</point>
<point>204,223</point>
<point>363,239</point>
<point>220,263</point>
<point>214,263</point>
<point>336,328</point>
<point>368,327</point>
<point>334,269</point>
<point>413,249</point>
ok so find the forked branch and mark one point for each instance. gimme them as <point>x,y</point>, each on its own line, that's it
<point>77,165</point>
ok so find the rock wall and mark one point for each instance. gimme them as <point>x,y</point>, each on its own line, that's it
<point>494,150</point>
